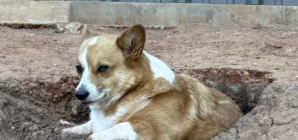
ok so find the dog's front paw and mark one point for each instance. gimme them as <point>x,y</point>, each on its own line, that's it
<point>102,137</point>
<point>108,135</point>
<point>118,132</point>
<point>93,137</point>
<point>67,132</point>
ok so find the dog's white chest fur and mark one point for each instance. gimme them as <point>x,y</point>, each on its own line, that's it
<point>98,120</point>
<point>103,127</point>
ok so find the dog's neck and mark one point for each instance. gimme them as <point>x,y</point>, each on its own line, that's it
<point>153,77</point>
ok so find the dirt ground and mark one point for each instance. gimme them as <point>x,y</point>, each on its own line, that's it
<point>256,66</point>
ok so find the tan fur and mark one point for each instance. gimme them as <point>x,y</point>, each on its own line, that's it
<point>156,109</point>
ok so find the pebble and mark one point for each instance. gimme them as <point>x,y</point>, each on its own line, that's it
<point>59,31</point>
<point>234,62</point>
<point>33,128</point>
<point>57,130</point>
<point>30,34</point>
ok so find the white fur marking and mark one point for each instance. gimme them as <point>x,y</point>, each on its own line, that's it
<point>85,84</point>
<point>93,41</point>
<point>160,69</point>
<point>123,131</point>
<point>99,121</point>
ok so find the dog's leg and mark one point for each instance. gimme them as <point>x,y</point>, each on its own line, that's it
<point>84,129</point>
<point>121,131</point>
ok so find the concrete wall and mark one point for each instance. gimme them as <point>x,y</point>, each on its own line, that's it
<point>34,12</point>
<point>148,14</point>
<point>173,14</point>
<point>254,2</point>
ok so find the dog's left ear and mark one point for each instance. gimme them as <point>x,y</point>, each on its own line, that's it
<point>132,41</point>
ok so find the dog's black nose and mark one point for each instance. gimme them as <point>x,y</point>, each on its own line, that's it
<point>82,95</point>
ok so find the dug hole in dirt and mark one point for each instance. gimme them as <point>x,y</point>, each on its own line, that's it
<point>38,79</point>
<point>43,104</point>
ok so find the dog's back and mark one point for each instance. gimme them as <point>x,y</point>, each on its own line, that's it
<point>189,110</point>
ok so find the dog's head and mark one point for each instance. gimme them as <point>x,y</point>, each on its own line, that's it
<point>109,65</point>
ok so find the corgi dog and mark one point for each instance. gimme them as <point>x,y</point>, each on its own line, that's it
<point>133,95</point>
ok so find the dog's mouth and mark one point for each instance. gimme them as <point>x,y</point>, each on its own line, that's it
<point>88,102</point>
<point>92,102</point>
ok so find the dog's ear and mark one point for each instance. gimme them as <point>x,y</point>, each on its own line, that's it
<point>85,33</point>
<point>132,41</point>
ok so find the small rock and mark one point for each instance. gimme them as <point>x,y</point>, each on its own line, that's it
<point>12,128</point>
<point>277,46</point>
<point>3,103</point>
<point>73,27</point>
<point>59,31</point>
<point>24,126</point>
<point>27,123</point>
<point>30,34</point>
<point>33,128</point>
<point>175,31</point>
<point>238,33</point>
<point>57,130</point>
<point>254,64</point>
<point>234,62</point>
<point>168,36</point>
<point>258,26</point>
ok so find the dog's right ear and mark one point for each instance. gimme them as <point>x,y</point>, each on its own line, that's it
<point>85,32</point>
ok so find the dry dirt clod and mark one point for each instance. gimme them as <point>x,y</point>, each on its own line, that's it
<point>234,62</point>
<point>257,26</point>
<point>3,103</point>
<point>33,128</point>
<point>277,46</point>
<point>59,31</point>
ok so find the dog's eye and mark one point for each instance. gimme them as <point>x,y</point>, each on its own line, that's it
<point>79,69</point>
<point>102,69</point>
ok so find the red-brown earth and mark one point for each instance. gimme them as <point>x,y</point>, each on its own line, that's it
<point>258,68</point>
